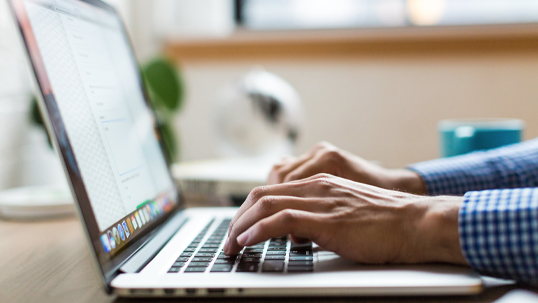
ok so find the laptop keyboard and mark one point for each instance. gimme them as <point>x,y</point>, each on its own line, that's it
<point>278,255</point>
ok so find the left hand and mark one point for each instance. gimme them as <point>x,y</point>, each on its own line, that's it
<point>357,221</point>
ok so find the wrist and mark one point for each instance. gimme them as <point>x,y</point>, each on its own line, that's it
<point>437,236</point>
<point>408,181</point>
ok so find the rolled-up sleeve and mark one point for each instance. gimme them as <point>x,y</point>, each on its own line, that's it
<point>498,232</point>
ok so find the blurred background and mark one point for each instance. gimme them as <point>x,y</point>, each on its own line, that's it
<point>374,77</point>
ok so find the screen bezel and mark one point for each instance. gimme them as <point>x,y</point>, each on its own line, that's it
<point>55,126</point>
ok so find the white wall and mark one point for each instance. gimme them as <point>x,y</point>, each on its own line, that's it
<point>383,108</point>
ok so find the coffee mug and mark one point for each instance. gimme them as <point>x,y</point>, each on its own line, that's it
<point>461,136</point>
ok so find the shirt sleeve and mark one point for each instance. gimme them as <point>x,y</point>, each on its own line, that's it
<point>514,166</point>
<point>498,232</point>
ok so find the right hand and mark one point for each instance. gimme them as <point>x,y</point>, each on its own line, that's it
<point>327,158</point>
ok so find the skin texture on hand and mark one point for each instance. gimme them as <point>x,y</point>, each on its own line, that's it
<point>357,221</point>
<point>327,158</point>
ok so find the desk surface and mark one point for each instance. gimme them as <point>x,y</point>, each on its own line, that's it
<point>50,262</point>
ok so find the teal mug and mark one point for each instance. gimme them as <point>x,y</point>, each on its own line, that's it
<point>461,136</point>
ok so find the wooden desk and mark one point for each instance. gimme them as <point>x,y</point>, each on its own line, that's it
<point>50,262</point>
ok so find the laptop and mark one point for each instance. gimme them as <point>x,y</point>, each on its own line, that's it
<point>144,242</point>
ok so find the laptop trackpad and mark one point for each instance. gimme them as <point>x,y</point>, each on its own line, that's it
<point>331,262</point>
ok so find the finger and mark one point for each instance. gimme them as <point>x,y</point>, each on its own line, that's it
<point>297,240</point>
<point>309,168</point>
<point>298,223</point>
<point>287,165</point>
<point>300,188</point>
<point>280,170</point>
<point>268,206</point>
<point>296,189</point>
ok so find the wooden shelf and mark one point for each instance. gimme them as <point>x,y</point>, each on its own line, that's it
<point>358,42</point>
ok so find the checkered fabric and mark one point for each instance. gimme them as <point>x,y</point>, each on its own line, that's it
<point>513,166</point>
<point>499,232</point>
<point>498,221</point>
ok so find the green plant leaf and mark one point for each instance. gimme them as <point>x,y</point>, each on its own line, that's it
<point>164,83</point>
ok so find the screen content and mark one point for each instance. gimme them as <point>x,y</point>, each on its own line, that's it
<point>94,79</point>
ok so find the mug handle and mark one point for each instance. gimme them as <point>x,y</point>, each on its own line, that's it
<point>465,139</point>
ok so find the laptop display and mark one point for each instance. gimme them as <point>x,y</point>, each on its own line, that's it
<point>104,126</point>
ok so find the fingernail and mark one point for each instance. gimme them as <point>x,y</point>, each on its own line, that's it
<point>226,244</point>
<point>243,238</point>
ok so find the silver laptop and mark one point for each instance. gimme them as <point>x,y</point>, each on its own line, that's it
<point>144,242</point>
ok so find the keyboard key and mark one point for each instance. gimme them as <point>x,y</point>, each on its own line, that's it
<point>202,259</point>
<point>186,254</point>
<point>300,263</point>
<point>225,256</point>
<point>300,268</point>
<point>305,246</point>
<point>208,250</point>
<point>277,244</point>
<point>215,238</point>
<point>250,260</point>
<point>301,252</point>
<point>190,249</point>
<point>221,268</point>
<point>276,248</point>
<point>278,252</point>
<point>301,258</point>
<point>225,261</point>
<point>174,269</point>
<point>195,269</point>
<point>199,264</point>
<point>182,259</point>
<point>261,245</point>
<point>275,257</point>
<point>211,245</point>
<point>205,255</point>
<point>253,250</point>
<point>273,266</point>
<point>178,264</point>
<point>249,267</point>
<point>249,255</point>
<point>213,241</point>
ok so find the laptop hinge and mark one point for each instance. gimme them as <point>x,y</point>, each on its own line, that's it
<point>145,254</point>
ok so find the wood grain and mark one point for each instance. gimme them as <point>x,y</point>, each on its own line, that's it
<point>50,262</point>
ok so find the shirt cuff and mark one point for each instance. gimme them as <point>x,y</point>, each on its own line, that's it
<point>498,231</point>
<point>456,175</point>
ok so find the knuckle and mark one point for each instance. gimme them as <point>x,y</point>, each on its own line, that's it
<point>278,166</point>
<point>332,156</point>
<point>232,229</point>
<point>287,217</point>
<point>266,203</point>
<point>324,145</point>
<point>291,177</point>
<point>323,181</point>
<point>322,177</point>
<point>258,192</point>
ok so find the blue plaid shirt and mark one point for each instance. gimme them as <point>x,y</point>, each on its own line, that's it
<point>498,221</point>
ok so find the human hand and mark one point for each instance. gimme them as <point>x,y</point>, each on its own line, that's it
<point>327,158</point>
<point>357,221</point>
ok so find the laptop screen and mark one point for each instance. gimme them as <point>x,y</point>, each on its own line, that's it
<point>105,129</point>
